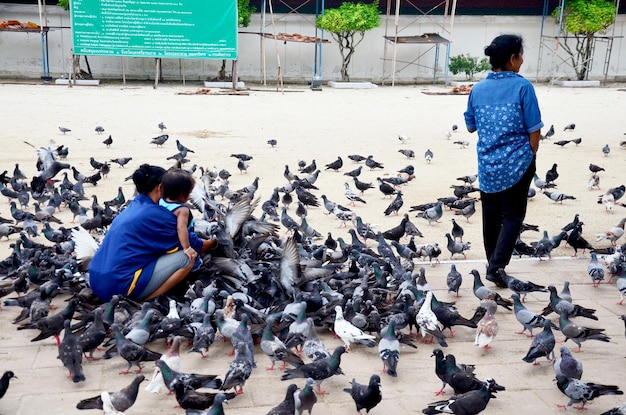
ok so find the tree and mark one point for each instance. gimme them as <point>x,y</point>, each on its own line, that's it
<point>583,19</point>
<point>468,64</point>
<point>345,23</point>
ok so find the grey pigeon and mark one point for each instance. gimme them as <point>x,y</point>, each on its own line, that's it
<point>579,334</point>
<point>428,156</point>
<point>64,130</point>
<point>560,306</point>
<point>457,247</point>
<point>172,378</point>
<point>305,398</point>
<point>433,214</point>
<point>595,270</point>
<point>385,188</point>
<point>131,352</point>
<point>606,150</point>
<point>469,403</point>
<point>318,370</point>
<point>335,165</point>
<point>365,396</point>
<point>99,129</point>
<point>160,140</point>
<point>558,197</point>
<point>239,369</point>
<point>569,127</point>
<point>518,286</point>
<point>525,317</point>
<point>542,345</point>
<point>410,154</point>
<point>454,280</point>
<point>579,391</point>
<point>287,406</point>
<point>121,399</point>
<point>567,365</point>
<point>457,231</point>
<point>389,350</point>
<point>482,292</point>
<point>373,164</point>
<point>71,354</point>
<point>162,126</point>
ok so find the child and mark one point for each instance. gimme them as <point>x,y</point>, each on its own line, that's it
<point>176,186</point>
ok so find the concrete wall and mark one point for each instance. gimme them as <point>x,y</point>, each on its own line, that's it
<point>20,53</point>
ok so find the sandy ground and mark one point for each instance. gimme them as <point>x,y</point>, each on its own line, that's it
<point>321,126</point>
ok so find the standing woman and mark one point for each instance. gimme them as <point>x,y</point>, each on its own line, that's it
<point>503,109</point>
<point>141,256</point>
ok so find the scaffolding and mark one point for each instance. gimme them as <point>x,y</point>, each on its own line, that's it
<point>554,42</point>
<point>431,40</point>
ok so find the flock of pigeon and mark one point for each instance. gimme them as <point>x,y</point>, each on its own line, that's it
<point>275,283</point>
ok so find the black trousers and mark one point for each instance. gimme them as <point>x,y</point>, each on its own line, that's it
<point>503,215</point>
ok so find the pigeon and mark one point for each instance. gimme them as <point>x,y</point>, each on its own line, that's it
<point>4,382</point>
<point>121,161</point>
<point>468,403</point>
<point>612,234</point>
<point>542,345</point>
<point>482,292</point>
<point>172,358</point>
<point>454,280</point>
<point>335,165</point>
<point>621,285</point>
<point>162,126</point>
<point>288,405</point>
<point>365,396</point>
<point>71,354</point>
<point>550,132</point>
<point>362,186</point>
<point>239,369</point>
<point>132,352</point>
<point>462,143</point>
<point>99,129</point>
<point>349,333</point>
<point>579,334</point>
<point>569,127</point>
<point>618,410</point>
<point>428,323</point>
<point>428,156</point>
<point>433,214</point>
<point>486,331</point>
<point>172,378</point>
<point>108,141</point>
<point>352,196</point>
<point>525,317</point>
<point>121,399</point>
<point>577,140</point>
<point>558,196</point>
<point>64,130</point>
<point>389,350</point>
<point>578,391</point>
<point>318,370</point>
<point>606,150</point>
<point>373,164</point>
<point>395,205</point>
<point>558,305</point>
<point>275,349</point>
<point>457,247</point>
<point>385,188</point>
<point>467,211</point>
<point>354,173</point>
<point>518,286</point>
<point>356,158</point>
<point>567,365</point>
<point>52,325</point>
<point>305,398</point>
<point>595,270</point>
<point>159,140</point>
<point>552,174</point>
<point>457,231</point>
<point>595,168</point>
<point>541,184</point>
<point>403,138</point>
<point>410,154</point>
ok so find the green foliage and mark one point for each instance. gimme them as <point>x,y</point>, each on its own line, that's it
<point>346,22</point>
<point>244,11</point>
<point>470,65</point>
<point>350,17</point>
<point>583,19</point>
<point>64,3</point>
<point>586,16</point>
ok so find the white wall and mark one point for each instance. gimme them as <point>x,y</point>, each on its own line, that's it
<point>20,53</point>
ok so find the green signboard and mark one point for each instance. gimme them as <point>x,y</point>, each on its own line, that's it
<point>192,29</point>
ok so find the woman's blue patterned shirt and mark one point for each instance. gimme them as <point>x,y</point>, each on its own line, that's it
<point>503,109</point>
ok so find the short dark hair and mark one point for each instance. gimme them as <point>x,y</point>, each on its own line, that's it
<point>502,48</point>
<point>177,183</point>
<point>147,177</point>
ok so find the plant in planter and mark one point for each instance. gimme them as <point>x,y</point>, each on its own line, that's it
<point>347,25</point>
<point>470,65</point>
<point>583,19</point>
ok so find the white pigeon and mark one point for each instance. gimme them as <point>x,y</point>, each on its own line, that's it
<point>608,200</point>
<point>107,405</point>
<point>349,333</point>
<point>486,331</point>
<point>428,322</point>
<point>613,234</point>
<point>403,138</point>
<point>172,358</point>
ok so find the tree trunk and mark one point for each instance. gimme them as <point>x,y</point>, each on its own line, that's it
<point>347,46</point>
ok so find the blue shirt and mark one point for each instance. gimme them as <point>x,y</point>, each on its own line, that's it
<point>137,238</point>
<point>503,109</point>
